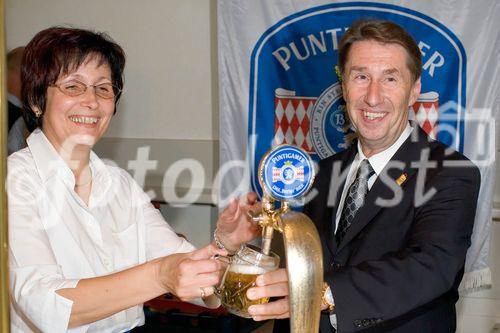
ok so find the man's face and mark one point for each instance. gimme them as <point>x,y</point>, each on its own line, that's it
<point>378,89</point>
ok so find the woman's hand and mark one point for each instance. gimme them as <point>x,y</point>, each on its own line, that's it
<point>191,275</point>
<point>234,226</point>
<point>183,274</point>
<point>271,284</point>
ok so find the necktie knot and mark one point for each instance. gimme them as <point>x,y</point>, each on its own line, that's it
<point>365,170</point>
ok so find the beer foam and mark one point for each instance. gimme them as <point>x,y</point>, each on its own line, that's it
<point>247,269</point>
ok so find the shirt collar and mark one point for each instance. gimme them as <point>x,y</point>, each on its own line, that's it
<point>379,161</point>
<point>101,177</point>
<point>49,162</point>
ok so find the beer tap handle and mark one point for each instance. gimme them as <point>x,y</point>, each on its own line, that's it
<point>267,237</point>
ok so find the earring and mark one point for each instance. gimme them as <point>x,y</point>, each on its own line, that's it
<point>38,113</point>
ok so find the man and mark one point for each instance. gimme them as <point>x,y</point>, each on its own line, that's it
<point>18,130</point>
<point>14,58</point>
<point>395,211</point>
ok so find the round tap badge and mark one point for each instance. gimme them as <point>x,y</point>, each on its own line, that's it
<point>286,172</point>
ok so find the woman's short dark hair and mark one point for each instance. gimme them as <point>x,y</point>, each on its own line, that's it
<point>59,51</point>
<point>385,32</point>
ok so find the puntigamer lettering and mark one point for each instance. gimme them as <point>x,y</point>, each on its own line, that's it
<point>323,41</point>
<point>280,157</point>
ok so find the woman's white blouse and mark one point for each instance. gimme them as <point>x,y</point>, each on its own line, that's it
<point>55,239</point>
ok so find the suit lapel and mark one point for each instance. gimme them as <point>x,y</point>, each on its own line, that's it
<point>408,152</point>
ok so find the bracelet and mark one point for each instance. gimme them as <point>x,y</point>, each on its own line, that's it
<point>326,298</point>
<point>219,244</point>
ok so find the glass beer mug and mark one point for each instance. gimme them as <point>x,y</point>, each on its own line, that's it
<point>240,275</point>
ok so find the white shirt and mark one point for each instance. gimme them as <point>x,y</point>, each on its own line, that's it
<point>55,239</point>
<point>378,162</point>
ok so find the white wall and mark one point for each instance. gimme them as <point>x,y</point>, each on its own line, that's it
<point>168,91</point>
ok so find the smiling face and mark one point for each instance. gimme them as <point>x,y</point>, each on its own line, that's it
<point>378,89</point>
<point>79,120</point>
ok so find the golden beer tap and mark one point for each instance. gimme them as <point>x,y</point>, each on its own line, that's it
<point>304,256</point>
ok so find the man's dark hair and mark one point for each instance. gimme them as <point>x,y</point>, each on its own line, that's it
<point>385,32</point>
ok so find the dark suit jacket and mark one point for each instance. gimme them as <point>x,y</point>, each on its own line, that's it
<point>14,113</point>
<point>398,268</point>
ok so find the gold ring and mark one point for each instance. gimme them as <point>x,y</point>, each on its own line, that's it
<point>202,292</point>
<point>254,216</point>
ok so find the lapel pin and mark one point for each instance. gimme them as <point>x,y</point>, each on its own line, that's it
<point>401,179</point>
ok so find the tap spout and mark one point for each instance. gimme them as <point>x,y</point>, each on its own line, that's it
<point>304,262</point>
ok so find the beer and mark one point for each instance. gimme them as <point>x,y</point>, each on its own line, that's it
<point>238,279</point>
<point>243,269</point>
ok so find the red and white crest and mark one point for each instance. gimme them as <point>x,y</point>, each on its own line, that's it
<point>426,111</point>
<point>292,119</point>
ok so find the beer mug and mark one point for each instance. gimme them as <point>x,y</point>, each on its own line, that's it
<point>240,275</point>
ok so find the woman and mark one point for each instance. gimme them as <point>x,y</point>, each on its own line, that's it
<point>86,246</point>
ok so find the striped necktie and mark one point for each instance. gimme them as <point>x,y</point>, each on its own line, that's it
<point>355,198</point>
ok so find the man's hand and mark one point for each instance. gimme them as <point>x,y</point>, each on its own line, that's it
<point>271,284</point>
<point>234,226</point>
